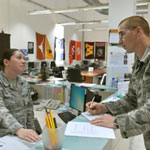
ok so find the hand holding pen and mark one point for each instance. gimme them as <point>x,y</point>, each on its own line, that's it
<point>96,108</point>
<point>92,102</point>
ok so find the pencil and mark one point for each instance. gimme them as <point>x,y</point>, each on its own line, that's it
<point>52,119</point>
<point>92,101</point>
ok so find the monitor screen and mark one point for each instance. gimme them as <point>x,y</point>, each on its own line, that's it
<point>77,98</point>
<point>85,62</point>
<point>53,64</point>
<point>30,65</point>
<point>43,64</point>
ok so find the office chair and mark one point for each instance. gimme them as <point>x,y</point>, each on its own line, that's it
<point>61,68</point>
<point>103,80</point>
<point>77,66</point>
<point>57,71</point>
<point>74,75</point>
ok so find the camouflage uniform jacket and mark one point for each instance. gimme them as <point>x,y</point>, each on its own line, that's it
<point>133,110</point>
<point>16,109</point>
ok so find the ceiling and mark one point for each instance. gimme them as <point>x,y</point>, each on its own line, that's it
<point>80,16</point>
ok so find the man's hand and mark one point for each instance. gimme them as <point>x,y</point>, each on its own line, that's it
<point>96,108</point>
<point>105,121</point>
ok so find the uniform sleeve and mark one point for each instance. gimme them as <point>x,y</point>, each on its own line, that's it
<point>30,115</point>
<point>7,119</point>
<point>134,119</point>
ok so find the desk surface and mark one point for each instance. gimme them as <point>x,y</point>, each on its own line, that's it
<point>68,84</point>
<point>73,142</point>
<point>78,143</point>
<point>96,72</point>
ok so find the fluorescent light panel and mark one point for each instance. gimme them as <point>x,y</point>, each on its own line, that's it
<point>85,30</point>
<point>68,10</point>
<point>79,23</point>
<point>142,3</point>
<point>40,12</point>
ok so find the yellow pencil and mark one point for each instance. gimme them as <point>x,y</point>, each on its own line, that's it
<point>47,121</point>
<point>52,119</point>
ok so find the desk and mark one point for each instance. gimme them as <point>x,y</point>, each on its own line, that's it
<point>39,86</point>
<point>90,76</point>
<point>85,143</point>
<point>78,143</point>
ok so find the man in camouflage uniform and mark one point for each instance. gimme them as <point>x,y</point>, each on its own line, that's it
<point>131,114</point>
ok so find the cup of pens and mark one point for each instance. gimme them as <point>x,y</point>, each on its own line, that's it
<point>53,133</point>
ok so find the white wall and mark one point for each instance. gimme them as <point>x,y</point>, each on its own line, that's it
<point>96,36</point>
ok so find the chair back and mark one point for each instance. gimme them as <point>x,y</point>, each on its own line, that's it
<point>74,75</point>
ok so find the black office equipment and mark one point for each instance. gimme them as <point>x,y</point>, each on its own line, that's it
<point>77,102</point>
<point>85,62</point>
<point>38,128</point>
<point>66,116</point>
<point>43,64</point>
<point>57,71</point>
<point>90,94</point>
<point>74,75</point>
<point>4,42</point>
<point>30,65</point>
<point>53,64</point>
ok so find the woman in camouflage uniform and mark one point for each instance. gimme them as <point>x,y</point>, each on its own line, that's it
<point>16,109</point>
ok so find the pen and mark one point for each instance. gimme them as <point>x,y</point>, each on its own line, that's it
<point>92,101</point>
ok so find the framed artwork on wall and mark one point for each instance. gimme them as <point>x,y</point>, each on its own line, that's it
<point>30,47</point>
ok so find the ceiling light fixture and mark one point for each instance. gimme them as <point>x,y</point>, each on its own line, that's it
<point>85,30</point>
<point>68,10</point>
<point>39,12</point>
<point>140,11</point>
<point>142,3</point>
<point>80,23</point>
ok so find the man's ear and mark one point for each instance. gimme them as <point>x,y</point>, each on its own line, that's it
<point>6,62</point>
<point>138,29</point>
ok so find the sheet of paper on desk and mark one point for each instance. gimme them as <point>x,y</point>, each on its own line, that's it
<point>10,142</point>
<point>87,84</point>
<point>85,129</point>
<point>111,99</point>
<point>89,116</point>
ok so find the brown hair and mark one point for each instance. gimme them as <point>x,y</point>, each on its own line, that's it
<point>134,21</point>
<point>7,55</point>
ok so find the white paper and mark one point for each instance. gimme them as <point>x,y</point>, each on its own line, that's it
<point>123,88</point>
<point>111,99</point>
<point>10,142</point>
<point>114,38</point>
<point>89,116</point>
<point>85,129</point>
<point>87,84</point>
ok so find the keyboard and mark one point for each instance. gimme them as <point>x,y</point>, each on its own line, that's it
<point>53,104</point>
<point>66,116</point>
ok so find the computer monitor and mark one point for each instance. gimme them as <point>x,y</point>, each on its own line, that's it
<point>53,64</point>
<point>85,62</point>
<point>43,64</point>
<point>90,94</point>
<point>77,98</point>
<point>30,65</point>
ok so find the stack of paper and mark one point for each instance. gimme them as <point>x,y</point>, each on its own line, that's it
<point>85,129</point>
<point>10,142</point>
